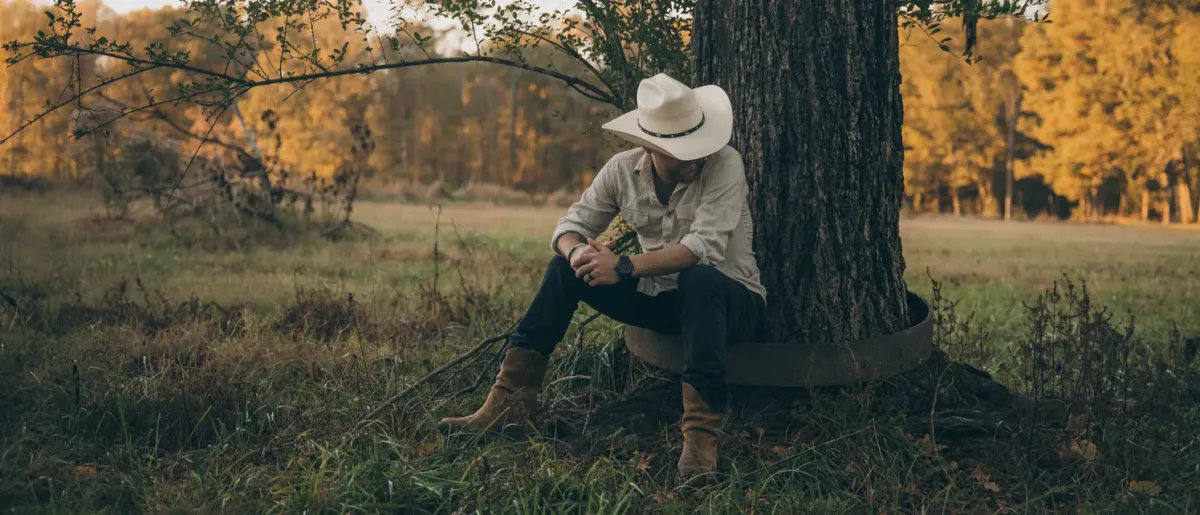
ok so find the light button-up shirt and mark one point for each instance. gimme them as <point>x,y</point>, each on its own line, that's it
<point>710,214</point>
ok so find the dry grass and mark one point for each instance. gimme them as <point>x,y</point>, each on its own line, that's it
<point>240,379</point>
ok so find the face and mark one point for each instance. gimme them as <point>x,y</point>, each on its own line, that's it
<point>674,170</point>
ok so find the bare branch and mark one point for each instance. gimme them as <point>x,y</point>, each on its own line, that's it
<point>76,50</point>
<point>64,103</point>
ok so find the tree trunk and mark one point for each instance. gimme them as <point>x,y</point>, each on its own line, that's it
<point>817,116</point>
<point>917,202</point>
<point>956,202</point>
<point>1183,200</point>
<point>1145,204</point>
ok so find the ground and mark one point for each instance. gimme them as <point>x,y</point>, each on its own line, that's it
<point>155,372</point>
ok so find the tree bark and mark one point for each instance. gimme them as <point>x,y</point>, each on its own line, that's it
<point>1145,204</point>
<point>817,116</point>
<point>1183,199</point>
<point>956,201</point>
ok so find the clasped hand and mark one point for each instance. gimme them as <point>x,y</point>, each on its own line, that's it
<point>596,263</point>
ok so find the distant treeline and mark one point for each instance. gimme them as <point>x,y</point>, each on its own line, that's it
<point>1095,114</point>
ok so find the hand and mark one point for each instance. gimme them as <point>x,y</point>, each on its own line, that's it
<point>600,266</point>
<point>582,254</point>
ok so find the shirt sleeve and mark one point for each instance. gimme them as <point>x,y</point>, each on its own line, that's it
<point>722,200</point>
<point>595,209</point>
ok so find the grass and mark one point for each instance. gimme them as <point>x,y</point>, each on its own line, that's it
<point>146,374</point>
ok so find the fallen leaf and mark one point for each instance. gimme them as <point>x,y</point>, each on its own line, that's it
<point>979,475</point>
<point>1082,449</point>
<point>426,448</point>
<point>984,479</point>
<point>1144,487</point>
<point>929,447</point>
<point>86,469</point>
<point>781,450</point>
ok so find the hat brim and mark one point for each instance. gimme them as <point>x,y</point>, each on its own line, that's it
<point>711,137</point>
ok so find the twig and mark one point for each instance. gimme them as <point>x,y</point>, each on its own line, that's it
<point>487,371</point>
<point>487,342</point>
<point>568,378</point>
<point>582,326</point>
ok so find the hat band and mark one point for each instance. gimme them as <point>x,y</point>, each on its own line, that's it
<point>674,135</point>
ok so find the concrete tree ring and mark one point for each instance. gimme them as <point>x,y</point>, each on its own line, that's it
<point>800,365</point>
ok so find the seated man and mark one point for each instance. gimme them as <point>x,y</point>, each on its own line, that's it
<point>684,192</point>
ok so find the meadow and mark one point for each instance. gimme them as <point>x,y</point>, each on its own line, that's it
<point>152,369</point>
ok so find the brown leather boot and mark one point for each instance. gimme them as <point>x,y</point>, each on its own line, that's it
<point>512,398</point>
<point>700,432</point>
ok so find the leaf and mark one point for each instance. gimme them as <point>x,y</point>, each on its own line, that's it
<point>426,448</point>
<point>86,469</point>
<point>1144,487</point>
<point>984,479</point>
<point>929,448</point>
<point>1083,449</point>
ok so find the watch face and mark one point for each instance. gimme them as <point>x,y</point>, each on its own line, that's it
<point>624,266</point>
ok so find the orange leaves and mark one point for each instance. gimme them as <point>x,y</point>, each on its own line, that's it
<point>1144,487</point>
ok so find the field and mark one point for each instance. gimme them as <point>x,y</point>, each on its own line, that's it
<point>145,371</point>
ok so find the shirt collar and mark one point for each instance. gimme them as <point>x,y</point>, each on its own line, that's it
<point>643,162</point>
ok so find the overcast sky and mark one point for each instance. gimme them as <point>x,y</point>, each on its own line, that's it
<point>377,9</point>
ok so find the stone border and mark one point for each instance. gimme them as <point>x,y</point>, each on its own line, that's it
<point>789,366</point>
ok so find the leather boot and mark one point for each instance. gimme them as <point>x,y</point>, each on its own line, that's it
<point>700,432</point>
<point>512,398</point>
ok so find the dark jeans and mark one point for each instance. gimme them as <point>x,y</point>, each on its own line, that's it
<point>709,310</point>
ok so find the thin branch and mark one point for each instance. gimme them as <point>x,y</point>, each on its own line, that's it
<point>600,94</point>
<point>68,101</point>
<point>571,52</point>
<point>178,181</point>
<point>148,106</point>
<point>159,115</point>
<point>487,342</point>
<point>581,85</point>
<point>75,50</point>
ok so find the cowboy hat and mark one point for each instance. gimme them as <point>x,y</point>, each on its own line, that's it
<point>678,121</point>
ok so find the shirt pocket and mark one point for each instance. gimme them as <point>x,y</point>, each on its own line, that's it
<point>638,219</point>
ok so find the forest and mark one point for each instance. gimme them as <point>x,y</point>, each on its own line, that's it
<point>1090,116</point>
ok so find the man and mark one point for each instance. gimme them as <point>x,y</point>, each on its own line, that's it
<point>683,189</point>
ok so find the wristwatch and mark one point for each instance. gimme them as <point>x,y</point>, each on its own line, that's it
<point>624,267</point>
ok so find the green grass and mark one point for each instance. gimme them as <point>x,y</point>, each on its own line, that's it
<point>135,401</point>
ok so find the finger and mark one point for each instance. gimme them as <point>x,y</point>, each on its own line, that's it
<point>597,245</point>
<point>611,244</point>
<point>584,258</point>
<point>585,269</point>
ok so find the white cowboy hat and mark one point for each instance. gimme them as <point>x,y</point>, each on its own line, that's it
<point>676,120</point>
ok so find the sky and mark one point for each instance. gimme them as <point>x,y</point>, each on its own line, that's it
<point>377,9</point>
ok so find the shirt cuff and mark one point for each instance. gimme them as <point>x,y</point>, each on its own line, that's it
<point>697,246</point>
<point>566,227</point>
